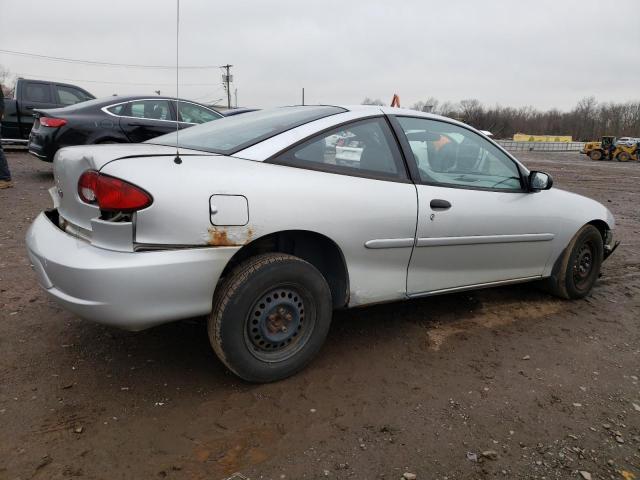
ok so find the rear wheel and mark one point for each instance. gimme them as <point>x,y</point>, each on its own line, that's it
<point>577,269</point>
<point>595,155</point>
<point>270,317</point>
<point>624,157</point>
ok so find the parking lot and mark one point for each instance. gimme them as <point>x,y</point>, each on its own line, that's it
<point>507,382</point>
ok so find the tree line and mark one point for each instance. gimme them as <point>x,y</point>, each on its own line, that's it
<point>588,120</point>
<point>7,82</point>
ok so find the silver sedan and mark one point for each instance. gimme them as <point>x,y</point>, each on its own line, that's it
<point>255,222</point>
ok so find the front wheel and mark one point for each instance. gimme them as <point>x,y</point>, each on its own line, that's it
<point>624,157</point>
<point>270,317</point>
<point>578,268</point>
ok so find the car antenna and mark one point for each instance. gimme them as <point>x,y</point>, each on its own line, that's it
<point>177,159</point>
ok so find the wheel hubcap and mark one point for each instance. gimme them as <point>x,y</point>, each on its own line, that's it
<point>277,327</point>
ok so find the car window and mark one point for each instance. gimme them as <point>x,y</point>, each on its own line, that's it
<point>117,109</point>
<point>37,92</point>
<point>448,154</point>
<point>70,95</point>
<point>151,109</point>
<point>232,134</point>
<point>191,113</point>
<point>364,148</point>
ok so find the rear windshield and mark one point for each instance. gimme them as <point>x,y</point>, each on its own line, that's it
<point>232,134</point>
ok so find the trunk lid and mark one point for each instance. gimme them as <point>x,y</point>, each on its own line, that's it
<point>71,162</point>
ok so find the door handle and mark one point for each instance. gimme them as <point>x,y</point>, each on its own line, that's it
<point>438,204</point>
<point>29,107</point>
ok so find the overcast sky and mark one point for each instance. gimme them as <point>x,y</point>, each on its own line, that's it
<point>545,53</point>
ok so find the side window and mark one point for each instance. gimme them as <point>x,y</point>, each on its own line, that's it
<point>37,92</point>
<point>190,113</point>
<point>70,95</point>
<point>364,148</point>
<point>151,109</point>
<point>117,109</point>
<point>447,154</point>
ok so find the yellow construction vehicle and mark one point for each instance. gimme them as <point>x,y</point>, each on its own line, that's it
<point>625,153</point>
<point>599,150</point>
<point>607,149</point>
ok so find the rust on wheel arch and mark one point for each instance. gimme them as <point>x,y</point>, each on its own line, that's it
<point>229,236</point>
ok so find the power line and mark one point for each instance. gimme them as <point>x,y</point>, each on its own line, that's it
<point>104,64</point>
<point>209,95</point>
<point>80,80</point>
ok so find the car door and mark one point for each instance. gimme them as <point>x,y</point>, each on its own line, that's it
<point>477,223</point>
<point>367,207</point>
<point>147,118</point>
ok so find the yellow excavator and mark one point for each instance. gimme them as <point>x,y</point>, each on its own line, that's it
<point>608,149</point>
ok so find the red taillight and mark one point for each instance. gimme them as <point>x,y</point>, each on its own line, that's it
<point>52,122</point>
<point>111,193</point>
<point>118,195</point>
<point>88,186</point>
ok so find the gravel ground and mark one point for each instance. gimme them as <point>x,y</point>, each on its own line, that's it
<point>507,382</point>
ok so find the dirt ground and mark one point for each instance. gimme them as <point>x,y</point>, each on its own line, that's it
<point>544,388</point>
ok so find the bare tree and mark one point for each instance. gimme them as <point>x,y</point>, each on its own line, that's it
<point>7,81</point>
<point>588,120</point>
<point>428,105</point>
<point>449,109</point>
<point>471,111</point>
<point>370,101</point>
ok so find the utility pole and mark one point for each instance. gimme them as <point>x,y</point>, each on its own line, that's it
<point>227,79</point>
<point>235,92</point>
<point>302,95</point>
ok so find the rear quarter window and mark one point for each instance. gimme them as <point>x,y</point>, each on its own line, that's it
<point>37,92</point>
<point>116,109</point>
<point>70,95</point>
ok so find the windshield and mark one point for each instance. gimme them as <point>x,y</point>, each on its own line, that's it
<point>232,134</point>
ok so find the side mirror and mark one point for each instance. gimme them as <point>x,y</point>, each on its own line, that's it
<point>539,181</point>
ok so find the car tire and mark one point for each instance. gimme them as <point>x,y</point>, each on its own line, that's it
<point>270,317</point>
<point>595,155</point>
<point>578,267</point>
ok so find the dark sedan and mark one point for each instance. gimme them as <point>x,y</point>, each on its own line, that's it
<point>112,120</point>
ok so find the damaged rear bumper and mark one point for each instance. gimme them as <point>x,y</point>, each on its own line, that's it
<point>129,290</point>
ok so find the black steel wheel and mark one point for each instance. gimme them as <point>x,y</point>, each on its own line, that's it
<point>270,317</point>
<point>578,267</point>
<point>276,327</point>
<point>583,264</point>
